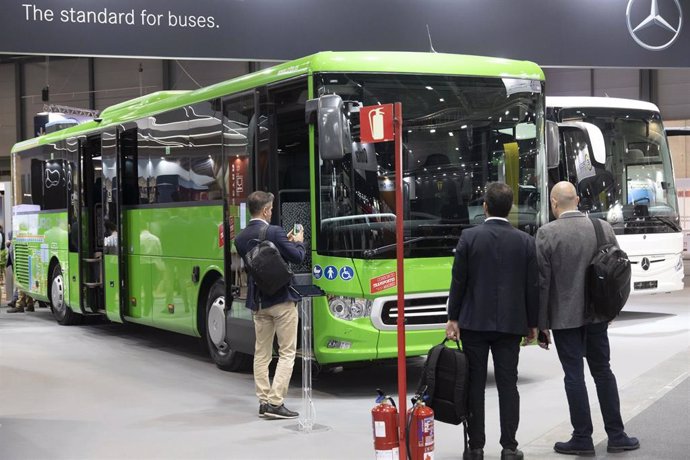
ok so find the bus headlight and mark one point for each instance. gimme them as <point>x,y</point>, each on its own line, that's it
<point>349,308</point>
<point>679,265</point>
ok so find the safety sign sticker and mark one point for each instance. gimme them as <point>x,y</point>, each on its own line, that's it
<point>347,273</point>
<point>317,272</point>
<point>383,282</point>
<point>330,272</point>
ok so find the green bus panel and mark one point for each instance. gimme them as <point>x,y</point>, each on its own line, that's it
<point>184,231</point>
<point>164,245</point>
<point>362,336</point>
<point>140,289</point>
<point>431,275</point>
<point>112,296</point>
<point>72,274</point>
<point>38,239</point>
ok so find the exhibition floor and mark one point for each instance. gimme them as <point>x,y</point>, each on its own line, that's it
<point>106,391</point>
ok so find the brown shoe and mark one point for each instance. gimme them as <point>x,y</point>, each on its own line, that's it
<point>15,310</point>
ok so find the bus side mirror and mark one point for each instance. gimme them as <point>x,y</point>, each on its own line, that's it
<point>553,144</point>
<point>333,126</point>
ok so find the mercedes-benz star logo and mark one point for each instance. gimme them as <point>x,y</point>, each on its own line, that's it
<point>654,20</point>
<point>645,263</point>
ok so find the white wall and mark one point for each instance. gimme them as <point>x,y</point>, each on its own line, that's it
<point>674,93</point>
<point>117,80</point>
<point>68,80</point>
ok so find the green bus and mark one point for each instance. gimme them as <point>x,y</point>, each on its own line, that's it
<point>132,215</point>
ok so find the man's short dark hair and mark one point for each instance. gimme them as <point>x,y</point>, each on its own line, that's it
<point>499,199</point>
<point>256,201</point>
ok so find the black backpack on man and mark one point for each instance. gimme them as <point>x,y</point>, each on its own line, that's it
<point>266,265</point>
<point>608,278</point>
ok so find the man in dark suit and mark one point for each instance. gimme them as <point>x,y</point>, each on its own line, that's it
<point>565,248</point>
<point>493,303</point>
<point>274,315</point>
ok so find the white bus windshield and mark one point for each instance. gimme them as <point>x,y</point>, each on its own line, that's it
<point>634,189</point>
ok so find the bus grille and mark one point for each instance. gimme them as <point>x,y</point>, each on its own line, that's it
<point>21,263</point>
<point>422,311</point>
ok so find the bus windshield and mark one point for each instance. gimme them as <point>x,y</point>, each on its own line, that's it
<point>459,133</point>
<point>634,189</point>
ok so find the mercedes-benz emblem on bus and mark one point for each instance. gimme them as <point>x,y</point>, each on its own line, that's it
<point>657,30</point>
<point>645,263</point>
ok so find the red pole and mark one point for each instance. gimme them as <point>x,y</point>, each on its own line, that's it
<point>399,238</point>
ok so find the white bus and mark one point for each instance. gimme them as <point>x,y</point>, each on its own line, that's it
<point>616,154</point>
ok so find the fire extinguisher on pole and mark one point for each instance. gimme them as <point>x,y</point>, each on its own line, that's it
<point>420,430</point>
<point>384,417</point>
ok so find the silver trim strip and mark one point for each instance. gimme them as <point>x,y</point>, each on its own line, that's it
<point>377,310</point>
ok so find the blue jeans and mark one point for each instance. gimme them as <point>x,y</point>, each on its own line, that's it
<point>591,342</point>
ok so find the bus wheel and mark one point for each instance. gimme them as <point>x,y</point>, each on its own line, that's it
<point>219,350</point>
<point>63,314</point>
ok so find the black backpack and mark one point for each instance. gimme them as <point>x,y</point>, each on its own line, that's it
<point>446,378</point>
<point>266,265</point>
<point>608,278</point>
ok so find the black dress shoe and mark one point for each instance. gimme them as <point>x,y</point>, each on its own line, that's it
<point>512,454</point>
<point>262,409</point>
<point>626,443</point>
<point>473,454</point>
<point>575,447</point>
<point>280,412</point>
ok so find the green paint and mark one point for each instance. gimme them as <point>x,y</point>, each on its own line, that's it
<point>163,245</point>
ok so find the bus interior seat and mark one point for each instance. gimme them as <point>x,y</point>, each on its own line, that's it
<point>635,156</point>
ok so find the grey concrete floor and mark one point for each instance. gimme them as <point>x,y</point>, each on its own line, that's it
<point>106,391</point>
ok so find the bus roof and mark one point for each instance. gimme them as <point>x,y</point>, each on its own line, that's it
<point>598,102</point>
<point>365,62</point>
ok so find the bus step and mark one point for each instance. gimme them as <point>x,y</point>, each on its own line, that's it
<point>93,285</point>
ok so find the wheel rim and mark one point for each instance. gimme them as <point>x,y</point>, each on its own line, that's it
<point>216,324</point>
<point>57,295</point>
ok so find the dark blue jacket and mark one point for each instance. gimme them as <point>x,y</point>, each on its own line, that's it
<point>495,280</point>
<point>292,252</point>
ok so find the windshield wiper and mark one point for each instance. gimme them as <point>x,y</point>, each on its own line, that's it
<point>667,221</point>
<point>369,253</point>
<point>663,219</point>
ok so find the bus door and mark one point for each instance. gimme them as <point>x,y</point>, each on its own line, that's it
<point>283,160</point>
<point>87,229</point>
<point>119,166</point>
<point>240,125</point>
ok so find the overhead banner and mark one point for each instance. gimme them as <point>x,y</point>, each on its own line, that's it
<point>589,33</point>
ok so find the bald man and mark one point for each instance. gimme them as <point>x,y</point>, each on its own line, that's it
<point>565,247</point>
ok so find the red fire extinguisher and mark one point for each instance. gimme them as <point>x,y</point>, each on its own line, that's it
<point>384,417</point>
<point>420,430</point>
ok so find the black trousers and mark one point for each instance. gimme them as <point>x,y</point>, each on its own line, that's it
<point>590,342</point>
<point>505,349</point>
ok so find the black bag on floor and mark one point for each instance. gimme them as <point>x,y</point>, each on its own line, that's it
<point>446,378</point>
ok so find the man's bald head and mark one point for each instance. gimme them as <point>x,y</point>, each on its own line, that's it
<point>563,198</point>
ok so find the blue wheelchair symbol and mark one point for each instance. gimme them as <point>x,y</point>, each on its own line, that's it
<point>347,273</point>
<point>317,272</point>
<point>330,272</point>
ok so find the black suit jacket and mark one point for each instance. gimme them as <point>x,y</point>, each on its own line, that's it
<point>292,252</point>
<point>495,280</point>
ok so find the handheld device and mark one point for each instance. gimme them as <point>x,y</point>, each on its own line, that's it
<point>297,228</point>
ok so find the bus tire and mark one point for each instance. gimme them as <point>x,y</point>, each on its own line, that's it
<point>63,313</point>
<point>221,353</point>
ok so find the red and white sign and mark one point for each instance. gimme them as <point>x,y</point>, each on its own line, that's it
<point>221,235</point>
<point>383,282</point>
<point>376,123</point>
